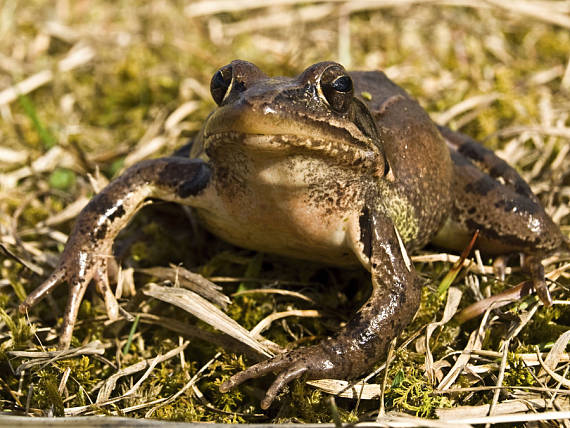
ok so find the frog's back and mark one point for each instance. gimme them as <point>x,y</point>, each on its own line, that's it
<point>419,195</point>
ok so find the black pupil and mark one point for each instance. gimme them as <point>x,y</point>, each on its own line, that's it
<point>342,84</point>
<point>219,80</point>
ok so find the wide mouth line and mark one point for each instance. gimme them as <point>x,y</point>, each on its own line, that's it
<point>342,150</point>
<point>284,138</point>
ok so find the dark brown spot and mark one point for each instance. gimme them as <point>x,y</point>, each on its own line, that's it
<point>366,232</point>
<point>482,186</point>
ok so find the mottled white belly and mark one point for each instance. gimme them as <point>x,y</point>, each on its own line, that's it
<point>285,206</point>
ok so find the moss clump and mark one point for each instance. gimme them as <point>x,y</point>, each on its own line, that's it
<point>518,373</point>
<point>45,393</point>
<point>410,391</point>
<point>21,331</point>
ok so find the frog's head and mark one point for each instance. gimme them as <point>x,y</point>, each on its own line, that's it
<point>315,111</point>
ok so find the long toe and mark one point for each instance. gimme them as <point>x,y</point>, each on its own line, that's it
<point>283,379</point>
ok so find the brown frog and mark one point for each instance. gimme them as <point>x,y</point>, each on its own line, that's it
<point>306,167</point>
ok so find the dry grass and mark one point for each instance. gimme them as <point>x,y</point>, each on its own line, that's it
<point>90,87</point>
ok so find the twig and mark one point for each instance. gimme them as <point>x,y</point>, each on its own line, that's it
<point>499,379</point>
<point>110,383</point>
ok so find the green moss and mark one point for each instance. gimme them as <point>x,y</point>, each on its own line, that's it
<point>62,179</point>
<point>410,391</point>
<point>45,136</point>
<point>20,330</point>
<point>15,273</point>
<point>45,394</point>
<point>85,373</point>
<point>552,46</point>
<point>518,373</point>
<point>249,311</point>
<point>4,300</point>
<point>545,328</point>
<point>184,410</point>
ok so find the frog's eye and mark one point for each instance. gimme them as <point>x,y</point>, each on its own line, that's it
<point>221,81</point>
<point>336,87</point>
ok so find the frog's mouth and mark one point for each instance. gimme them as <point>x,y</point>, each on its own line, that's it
<point>342,152</point>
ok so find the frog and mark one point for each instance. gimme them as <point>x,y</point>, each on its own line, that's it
<point>337,167</point>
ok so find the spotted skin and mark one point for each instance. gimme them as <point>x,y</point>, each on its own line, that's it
<point>494,199</point>
<point>487,161</point>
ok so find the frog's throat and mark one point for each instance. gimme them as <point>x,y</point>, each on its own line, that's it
<point>341,152</point>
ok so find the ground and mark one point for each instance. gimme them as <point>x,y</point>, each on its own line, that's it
<point>88,88</point>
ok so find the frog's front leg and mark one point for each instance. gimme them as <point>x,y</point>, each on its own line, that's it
<point>90,243</point>
<point>396,291</point>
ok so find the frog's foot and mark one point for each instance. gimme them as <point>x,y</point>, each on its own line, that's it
<point>78,269</point>
<point>533,265</point>
<point>536,270</point>
<point>315,362</point>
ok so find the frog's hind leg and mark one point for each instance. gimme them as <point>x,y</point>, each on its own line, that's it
<point>508,220</point>
<point>487,161</point>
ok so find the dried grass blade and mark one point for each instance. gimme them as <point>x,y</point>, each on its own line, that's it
<point>184,388</point>
<point>280,19</point>
<point>555,354</point>
<point>453,300</point>
<point>500,378</point>
<point>8,156</point>
<point>505,297</point>
<point>554,131</point>
<point>524,319</point>
<point>56,156</point>
<point>76,57</point>
<point>212,7</point>
<point>345,389</point>
<point>475,340</point>
<point>540,11</point>
<point>207,312</point>
<point>274,291</point>
<point>560,379</point>
<point>464,106</point>
<point>266,322</point>
<point>68,213</point>
<point>504,408</point>
<point>402,420</point>
<point>111,382</point>
<point>179,114</point>
<point>452,258</point>
<point>512,418</point>
<point>45,358</point>
<point>192,281</point>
